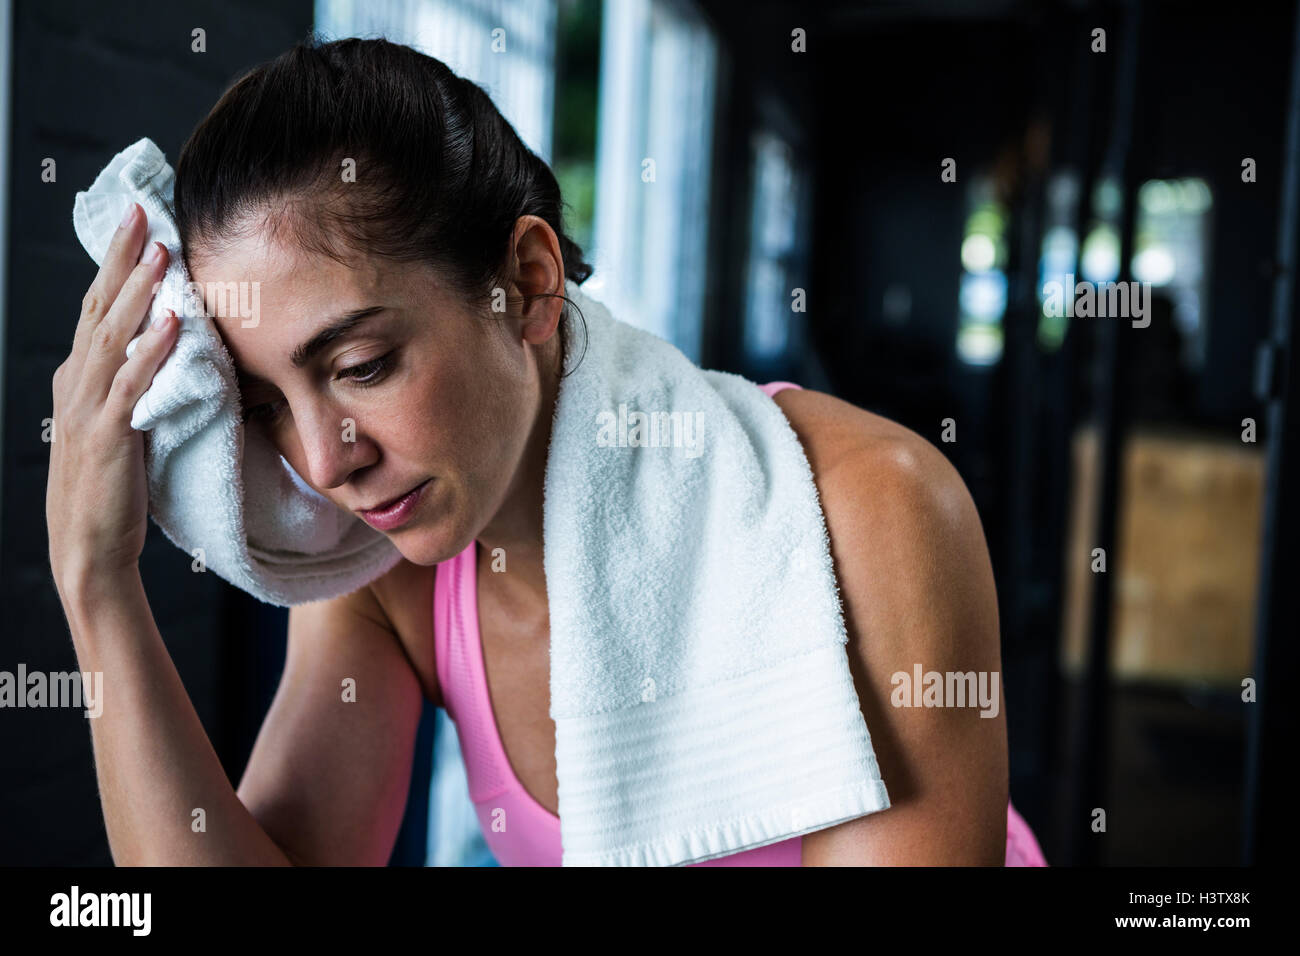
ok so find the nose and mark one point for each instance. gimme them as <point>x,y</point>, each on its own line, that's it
<point>332,444</point>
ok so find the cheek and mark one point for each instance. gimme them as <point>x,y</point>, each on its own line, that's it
<point>445,418</point>
<point>477,413</point>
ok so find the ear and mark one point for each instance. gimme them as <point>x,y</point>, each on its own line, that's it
<point>539,270</point>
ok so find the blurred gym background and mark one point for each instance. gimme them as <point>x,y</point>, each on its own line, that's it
<point>800,227</point>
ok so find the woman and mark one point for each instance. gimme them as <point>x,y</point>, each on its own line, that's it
<point>389,212</point>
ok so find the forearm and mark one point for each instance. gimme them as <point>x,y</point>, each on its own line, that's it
<point>153,759</point>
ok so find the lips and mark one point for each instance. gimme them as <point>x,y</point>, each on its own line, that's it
<point>394,514</point>
<point>385,506</point>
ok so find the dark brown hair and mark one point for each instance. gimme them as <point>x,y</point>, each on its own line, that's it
<point>440,175</point>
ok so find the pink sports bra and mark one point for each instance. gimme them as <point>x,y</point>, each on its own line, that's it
<point>519,831</point>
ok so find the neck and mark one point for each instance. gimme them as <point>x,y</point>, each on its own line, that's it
<point>516,528</point>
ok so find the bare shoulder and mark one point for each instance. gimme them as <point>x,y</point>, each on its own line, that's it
<point>917,588</point>
<point>847,445</point>
<point>886,492</point>
<point>403,595</point>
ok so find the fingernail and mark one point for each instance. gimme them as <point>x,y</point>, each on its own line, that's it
<point>161,320</point>
<point>155,250</point>
<point>130,215</point>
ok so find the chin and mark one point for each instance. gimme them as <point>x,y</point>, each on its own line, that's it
<point>427,547</point>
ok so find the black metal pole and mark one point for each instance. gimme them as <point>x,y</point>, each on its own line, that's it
<point>1093,722</point>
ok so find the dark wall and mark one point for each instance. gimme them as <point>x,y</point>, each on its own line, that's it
<point>89,79</point>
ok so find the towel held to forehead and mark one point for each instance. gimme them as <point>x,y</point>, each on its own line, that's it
<point>219,491</point>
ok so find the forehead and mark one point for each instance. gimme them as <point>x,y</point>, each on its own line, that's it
<point>286,273</point>
<point>292,291</point>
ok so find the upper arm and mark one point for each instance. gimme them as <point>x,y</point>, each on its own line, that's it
<point>329,773</point>
<point>917,588</point>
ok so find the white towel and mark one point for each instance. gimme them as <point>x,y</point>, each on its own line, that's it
<point>700,684</point>
<point>213,486</point>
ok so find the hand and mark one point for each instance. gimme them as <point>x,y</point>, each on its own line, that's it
<point>96,502</point>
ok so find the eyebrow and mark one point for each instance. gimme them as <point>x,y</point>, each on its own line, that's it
<point>340,327</point>
<point>343,325</point>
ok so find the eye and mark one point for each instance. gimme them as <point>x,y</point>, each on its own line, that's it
<point>368,373</point>
<point>266,411</point>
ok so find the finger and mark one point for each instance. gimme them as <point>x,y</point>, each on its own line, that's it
<point>108,343</point>
<point>136,375</point>
<point>123,253</point>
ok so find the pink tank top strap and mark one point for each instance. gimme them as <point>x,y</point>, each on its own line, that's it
<point>771,388</point>
<point>459,663</point>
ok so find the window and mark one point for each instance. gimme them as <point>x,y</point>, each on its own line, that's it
<point>1170,250</point>
<point>775,227</point>
<point>653,155</point>
<point>515,66</point>
<point>983,290</point>
<point>1059,256</point>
